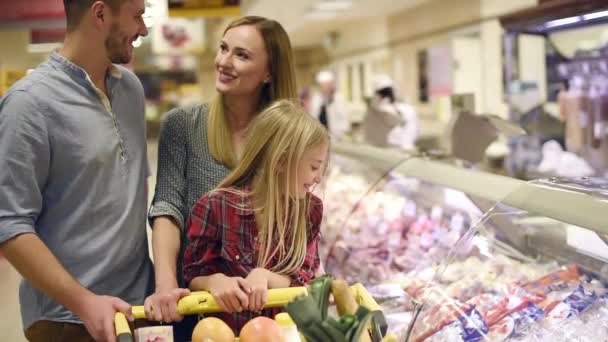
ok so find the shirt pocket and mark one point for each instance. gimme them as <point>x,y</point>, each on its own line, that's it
<point>238,253</point>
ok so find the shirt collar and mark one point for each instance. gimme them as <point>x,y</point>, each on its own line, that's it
<point>115,72</point>
<point>247,204</point>
<point>243,202</point>
<point>64,64</point>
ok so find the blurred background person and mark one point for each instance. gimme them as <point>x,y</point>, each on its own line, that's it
<point>328,106</point>
<point>389,122</point>
<point>304,97</point>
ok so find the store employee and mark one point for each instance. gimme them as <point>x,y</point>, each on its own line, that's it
<point>328,106</point>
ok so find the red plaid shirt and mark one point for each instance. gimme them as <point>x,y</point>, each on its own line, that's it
<point>223,233</point>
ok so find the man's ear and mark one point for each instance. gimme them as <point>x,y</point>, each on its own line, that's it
<point>99,13</point>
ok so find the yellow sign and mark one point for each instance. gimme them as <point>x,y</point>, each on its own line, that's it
<point>204,8</point>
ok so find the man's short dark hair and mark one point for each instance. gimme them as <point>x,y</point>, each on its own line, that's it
<point>75,9</point>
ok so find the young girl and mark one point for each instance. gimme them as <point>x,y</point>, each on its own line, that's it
<point>258,230</point>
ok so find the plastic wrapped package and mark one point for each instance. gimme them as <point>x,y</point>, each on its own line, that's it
<point>386,237</point>
<point>474,279</point>
<point>374,235</point>
<point>590,326</point>
<point>490,296</point>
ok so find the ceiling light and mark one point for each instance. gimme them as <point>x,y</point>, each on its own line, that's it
<point>43,47</point>
<point>333,5</point>
<point>562,22</point>
<point>595,15</point>
<point>320,15</point>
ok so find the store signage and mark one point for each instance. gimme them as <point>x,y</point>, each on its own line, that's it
<point>45,36</point>
<point>175,63</point>
<point>176,36</point>
<point>204,8</point>
<point>30,10</point>
<point>440,70</point>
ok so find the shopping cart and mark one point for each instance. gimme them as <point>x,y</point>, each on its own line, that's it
<point>203,302</point>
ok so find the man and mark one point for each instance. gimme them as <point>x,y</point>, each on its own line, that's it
<point>328,106</point>
<point>389,122</point>
<point>72,185</point>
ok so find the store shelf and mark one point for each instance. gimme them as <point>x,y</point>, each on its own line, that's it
<point>575,207</point>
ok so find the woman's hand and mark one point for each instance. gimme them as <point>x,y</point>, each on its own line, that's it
<point>258,279</point>
<point>162,305</point>
<point>231,293</point>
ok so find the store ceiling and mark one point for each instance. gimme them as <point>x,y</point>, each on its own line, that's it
<point>307,27</point>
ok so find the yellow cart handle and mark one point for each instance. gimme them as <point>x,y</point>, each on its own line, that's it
<point>121,326</point>
<point>203,302</point>
<point>364,298</point>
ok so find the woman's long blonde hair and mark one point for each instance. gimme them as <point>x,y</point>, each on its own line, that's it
<point>281,86</point>
<point>277,140</point>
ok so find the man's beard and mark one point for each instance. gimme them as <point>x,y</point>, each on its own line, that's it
<point>115,48</point>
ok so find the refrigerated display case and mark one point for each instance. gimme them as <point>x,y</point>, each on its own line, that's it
<point>455,254</point>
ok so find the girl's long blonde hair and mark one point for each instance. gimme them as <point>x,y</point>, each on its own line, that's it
<point>278,138</point>
<point>281,86</point>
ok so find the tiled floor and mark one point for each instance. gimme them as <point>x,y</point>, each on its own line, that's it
<point>10,317</point>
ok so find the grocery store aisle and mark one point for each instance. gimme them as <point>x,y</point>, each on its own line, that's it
<point>10,316</point>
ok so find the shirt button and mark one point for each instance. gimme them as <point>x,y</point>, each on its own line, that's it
<point>238,257</point>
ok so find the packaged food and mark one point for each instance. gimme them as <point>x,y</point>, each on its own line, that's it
<point>154,334</point>
<point>516,324</point>
<point>436,318</point>
<point>573,305</point>
<point>469,327</point>
<point>554,281</point>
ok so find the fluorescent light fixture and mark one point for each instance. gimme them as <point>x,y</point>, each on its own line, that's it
<point>595,15</point>
<point>333,5</point>
<point>562,22</point>
<point>43,47</point>
<point>320,15</point>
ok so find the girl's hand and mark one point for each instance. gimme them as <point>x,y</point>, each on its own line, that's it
<point>258,278</point>
<point>231,293</point>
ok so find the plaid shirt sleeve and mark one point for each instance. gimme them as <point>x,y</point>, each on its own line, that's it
<point>205,239</point>
<point>312,260</point>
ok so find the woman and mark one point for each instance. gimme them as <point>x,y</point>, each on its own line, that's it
<point>199,146</point>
